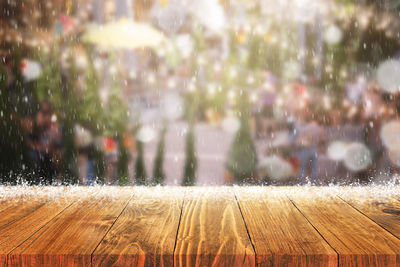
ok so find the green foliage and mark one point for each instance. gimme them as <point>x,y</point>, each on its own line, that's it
<point>61,91</point>
<point>158,169</point>
<point>116,119</point>
<point>140,169</point>
<point>100,168</point>
<point>123,159</point>
<point>91,106</point>
<point>199,40</point>
<point>49,84</point>
<point>189,175</point>
<point>258,53</point>
<point>116,116</point>
<point>92,115</point>
<point>3,91</point>
<point>70,155</point>
<point>13,150</point>
<point>242,157</point>
<point>69,109</point>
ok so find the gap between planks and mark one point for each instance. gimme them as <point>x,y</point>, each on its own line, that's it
<point>241,216</point>
<point>109,229</point>
<point>56,198</point>
<point>370,217</point>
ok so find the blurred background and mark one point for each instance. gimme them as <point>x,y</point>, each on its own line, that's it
<point>211,92</point>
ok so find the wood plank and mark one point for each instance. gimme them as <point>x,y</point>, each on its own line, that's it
<point>212,231</point>
<point>25,211</point>
<point>377,203</point>
<point>358,240</point>
<point>10,196</point>
<point>71,237</point>
<point>145,233</point>
<point>280,233</point>
<point>16,202</point>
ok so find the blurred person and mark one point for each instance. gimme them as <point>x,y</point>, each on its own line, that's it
<point>308,140</point>
<point>86,162</point>
<point>44,141</point>
<point>327,168</point>
<point>84,141</point>
<point>333,130</point>
<point>111,159</point>
<point>353,129</point>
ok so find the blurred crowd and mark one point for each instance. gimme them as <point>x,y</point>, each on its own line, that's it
<point>297,145</point>
<point>47,143</point>
<point>323,143</point>
<point>312,121</point>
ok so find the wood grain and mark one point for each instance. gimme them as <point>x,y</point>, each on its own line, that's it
<point>280,233</point>
<point>144,234</point>
<point>379,204</point>
<point>199,226</point>
<point>71,237</point>
<point>357,240</point>
<point>17,219</point>
<point>17,202</point>
<point>212,231</point>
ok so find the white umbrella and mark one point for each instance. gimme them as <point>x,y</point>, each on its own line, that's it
<point>125,34</point>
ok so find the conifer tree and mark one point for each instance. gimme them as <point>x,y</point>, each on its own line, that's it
<point>158,169</point>
<point>140,169</point>
<point>242,157</point>
<point>123,158</point>
<point>13,150</point>
<point>189,173</point>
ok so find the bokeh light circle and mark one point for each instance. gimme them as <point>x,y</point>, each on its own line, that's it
<point>337,150</point>
<point>358,157</point>
<point>172,106</point>
<point>388,75</point>
<point>32,70</point>
<point>390,134</point>
<point>146,134</point>
<point>333,35</point>
<point>275,168</point>
<point>394,156</point>
<point>230,124</point>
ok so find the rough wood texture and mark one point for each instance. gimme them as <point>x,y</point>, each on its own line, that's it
<point>357,240</point>
<point>17,202</point>
<point>70,238</point>
<point>25,212</point>
<point>280,233</point>
<point>144,234</point>
<point>206,226</point>
<point>378,204</point>
<point>212,231</point>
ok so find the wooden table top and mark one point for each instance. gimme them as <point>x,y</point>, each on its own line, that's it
<point>200,226</point>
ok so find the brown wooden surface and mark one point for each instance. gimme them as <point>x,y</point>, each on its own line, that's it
<point>200,226</point>
<point>380,205</point>
<point>280,233</point>
<point>212,231</point>
<point>144,234</point>
<point>357,240</point>
<point>17,202</point>
<point>25,212</point>
<point>70,238</point>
